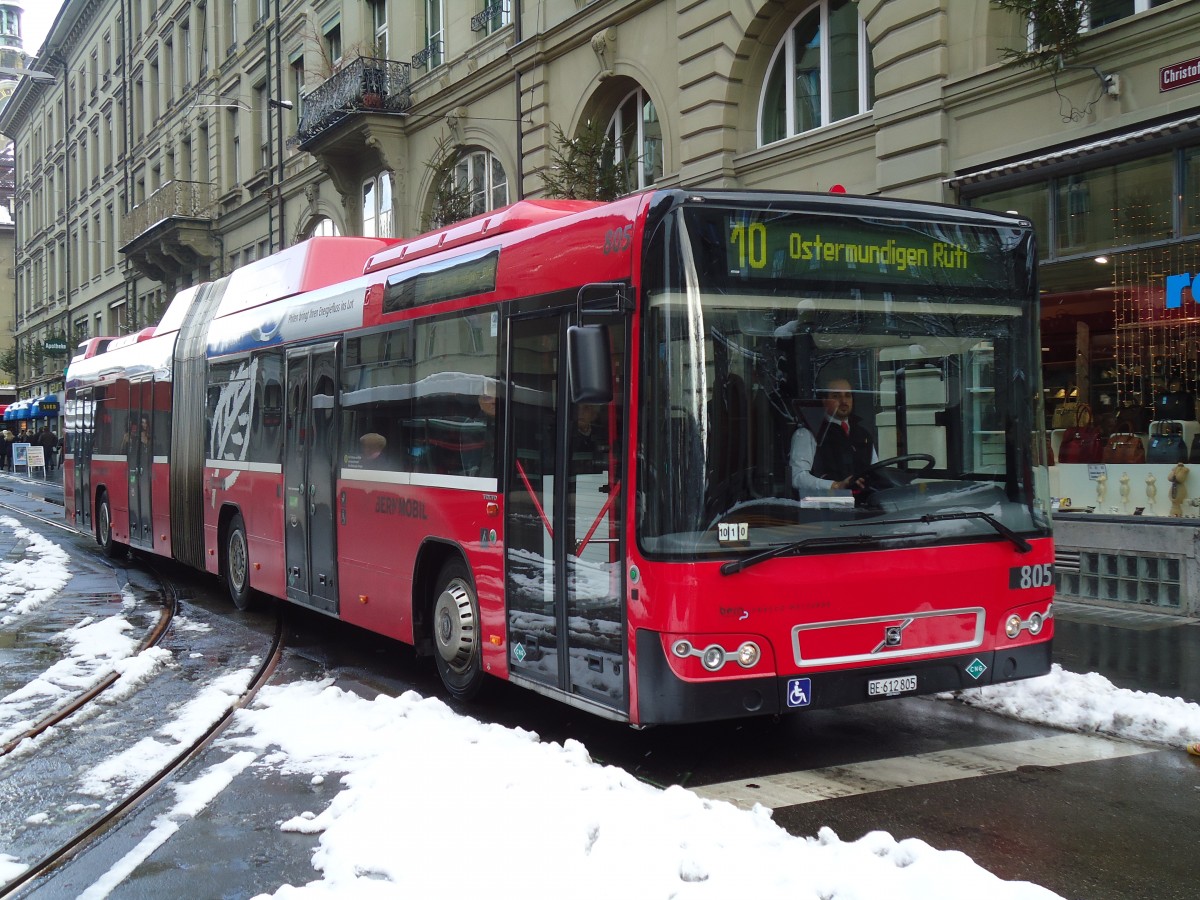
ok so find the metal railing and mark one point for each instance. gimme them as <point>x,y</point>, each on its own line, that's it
<point>364,85</point>
<point>190,199</point>
<point>494,14</point>
<point>430,56</point>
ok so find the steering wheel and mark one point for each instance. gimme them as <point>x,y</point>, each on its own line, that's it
<point>878,479</point>
<point>896,460</point>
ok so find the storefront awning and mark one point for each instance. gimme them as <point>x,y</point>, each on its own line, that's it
<point>44,407</point>
<point>1110,144</point>
<point>18,410</point>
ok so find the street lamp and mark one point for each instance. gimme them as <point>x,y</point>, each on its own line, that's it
<point>31,74</point>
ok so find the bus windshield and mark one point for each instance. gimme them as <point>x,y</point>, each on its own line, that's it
<point>845,379</point>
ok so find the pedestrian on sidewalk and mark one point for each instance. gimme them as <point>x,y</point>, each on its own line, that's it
<point>48,441</point>
<point>6,441</point>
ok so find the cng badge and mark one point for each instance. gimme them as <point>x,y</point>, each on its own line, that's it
<point>976,668</point>
<point>799,692</point>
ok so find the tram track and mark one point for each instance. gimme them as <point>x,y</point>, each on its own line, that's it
<point>77,843</point>
<point>67,846</point>
<point>18,511</point>
<point>79,702</point>
<point>64,711</point>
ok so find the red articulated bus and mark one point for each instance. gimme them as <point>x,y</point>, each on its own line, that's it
<point>591,448</point>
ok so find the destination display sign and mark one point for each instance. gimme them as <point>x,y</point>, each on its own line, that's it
<point>789,246</point>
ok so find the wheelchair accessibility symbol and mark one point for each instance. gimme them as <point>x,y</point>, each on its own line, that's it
<point>799,691</point>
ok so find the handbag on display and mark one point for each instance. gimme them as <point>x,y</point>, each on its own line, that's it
<point>1066,414</point>
<point>1166,443</point>
<point>1083,442</point>
<point>1124,448</point>
<point>1194,454</point>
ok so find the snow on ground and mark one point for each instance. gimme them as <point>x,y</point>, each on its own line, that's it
<point>92,649</point>
<point>420,783</point>
<point>27,583</point>
<point>1091,703</point>
<point>428,794</point>
<point>152,753</point>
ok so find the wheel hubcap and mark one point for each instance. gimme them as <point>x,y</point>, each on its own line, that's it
<point>237,560</point>
<point>454,626</point>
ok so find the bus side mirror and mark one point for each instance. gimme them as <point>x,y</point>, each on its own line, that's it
<point>589,364</point>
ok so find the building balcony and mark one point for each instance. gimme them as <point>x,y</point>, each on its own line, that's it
<point>172,232</point>
<point>363,89</point>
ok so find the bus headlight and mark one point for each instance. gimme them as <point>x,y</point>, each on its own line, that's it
<point>1035,623</point>
<point>748,655</point>
<point>1013,626</point>
<point>713,657</point>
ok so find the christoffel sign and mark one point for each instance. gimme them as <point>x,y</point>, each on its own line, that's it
<point>1179,75</point>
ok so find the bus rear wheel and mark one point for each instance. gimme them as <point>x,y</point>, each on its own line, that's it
<point>237,563</point>
<point>113,549</point>
<point>459,655</point>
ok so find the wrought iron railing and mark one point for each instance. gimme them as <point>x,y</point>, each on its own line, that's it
<point>189,199</point>
<point>430,56</point>
<point>493,15</point>
<point>365,85</point>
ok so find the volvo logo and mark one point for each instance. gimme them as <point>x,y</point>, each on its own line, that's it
<point>893,636</point>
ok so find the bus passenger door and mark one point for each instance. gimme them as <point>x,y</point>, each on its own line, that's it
<point>308,476</point>
<point>564,577</point>
<point>139,456</point>
<point>84,415</point>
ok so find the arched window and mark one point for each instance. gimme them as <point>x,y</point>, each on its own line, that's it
<point>820,73</point>
<point>472,182</point>
<point>637,135</point>
<point>377,206</point>
<point>324,227</point>
<point>480,175</point>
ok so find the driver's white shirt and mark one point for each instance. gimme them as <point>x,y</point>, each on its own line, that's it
<point>800,460</point>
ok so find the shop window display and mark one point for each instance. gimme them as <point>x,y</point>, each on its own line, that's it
<point>1120,331</point>
<point>1122,396</point>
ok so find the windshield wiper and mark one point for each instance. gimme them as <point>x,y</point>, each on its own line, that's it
<point>734,566</point>
<point>1017,541</point>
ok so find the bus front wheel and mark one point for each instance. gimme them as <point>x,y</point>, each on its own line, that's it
<point>112,548</point>
<point>237,562</point>
<point>456,626</point>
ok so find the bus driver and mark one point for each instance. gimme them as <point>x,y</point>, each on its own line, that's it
<point>841,447</point>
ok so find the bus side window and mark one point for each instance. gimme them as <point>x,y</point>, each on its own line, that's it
<point>109,428</point>
<point>266,432</point>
